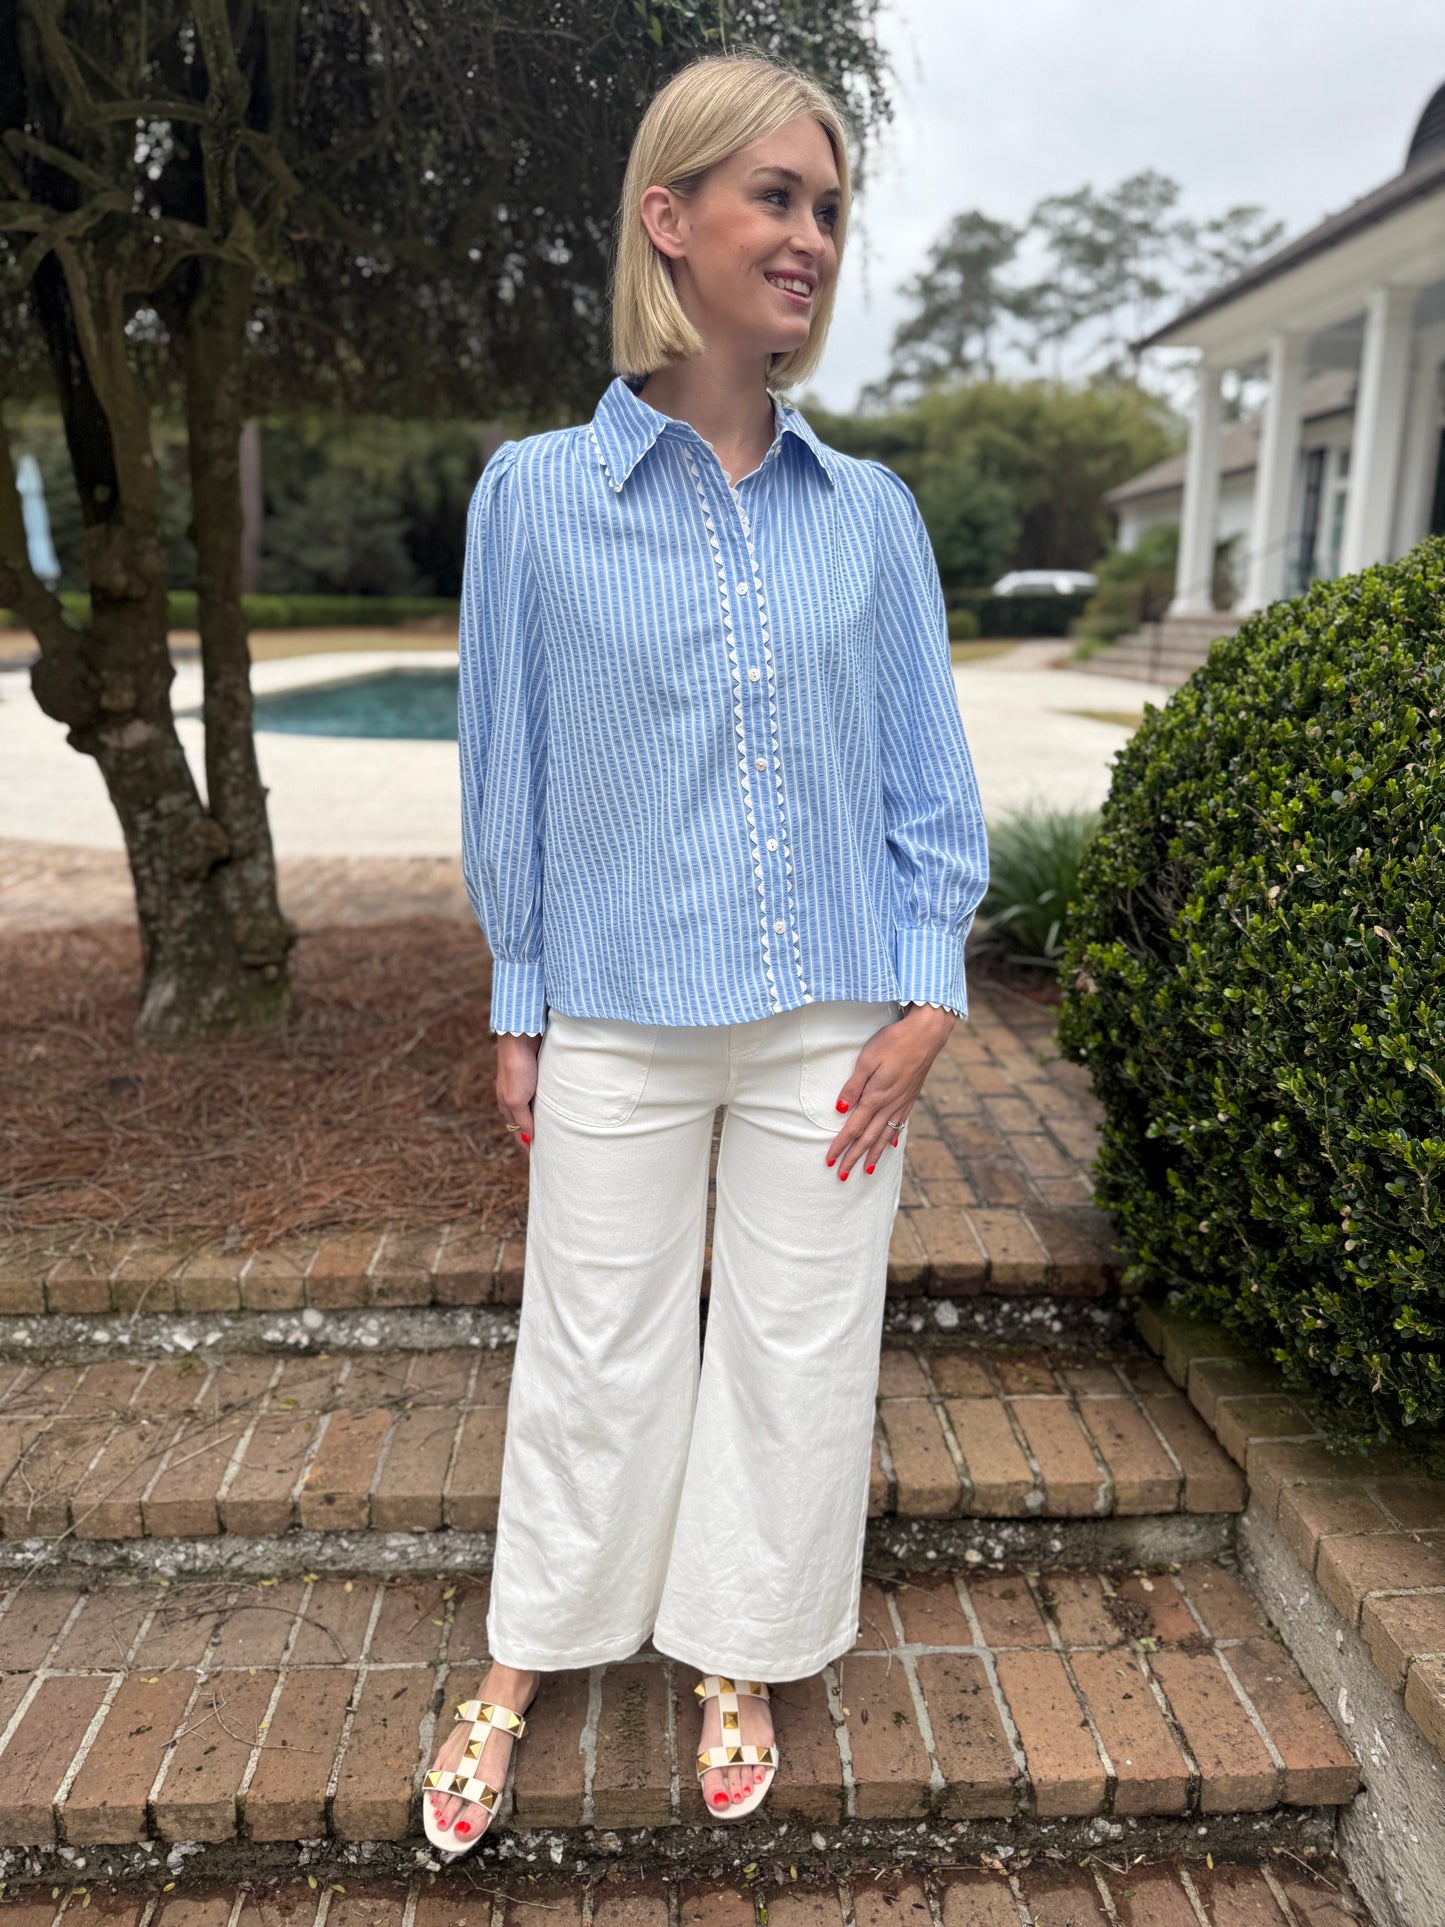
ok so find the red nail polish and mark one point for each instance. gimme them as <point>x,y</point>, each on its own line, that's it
<point>719,1799</point>
<point>841,1105</point>
<point>525,1138</point>
<point>464,1826</point>
<point>843,1174</point>
<point>895,1140</point>
<point>831,1163</point>
<point>869,1169</point>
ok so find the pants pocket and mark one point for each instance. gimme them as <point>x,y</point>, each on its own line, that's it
<point>833,1033</point>
<point>592,1070</point>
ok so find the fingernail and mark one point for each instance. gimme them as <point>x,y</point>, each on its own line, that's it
<point>895,1140</point>
<point>831,1163</point>
<point>525,1138</point>
<point>842,1175</point>
<point>719,1799</point>
<point>841,1105</point>
<point>869,1169</point>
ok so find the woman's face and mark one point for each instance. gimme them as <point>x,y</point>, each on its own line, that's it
<point>763,217</point>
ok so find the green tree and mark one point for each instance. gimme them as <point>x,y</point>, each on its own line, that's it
<point>233,208</point>
<point>1013,474</point>
<point>1109,260</point>
<point>960,300</point>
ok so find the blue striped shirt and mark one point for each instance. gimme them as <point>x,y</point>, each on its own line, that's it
<point>712,760</point>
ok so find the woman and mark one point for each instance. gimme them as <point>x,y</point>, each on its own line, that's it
<point>722,831</point>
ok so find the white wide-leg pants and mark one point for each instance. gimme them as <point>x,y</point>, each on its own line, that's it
<point>717,1506</point>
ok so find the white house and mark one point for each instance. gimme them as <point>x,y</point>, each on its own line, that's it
<point>1346,464</point>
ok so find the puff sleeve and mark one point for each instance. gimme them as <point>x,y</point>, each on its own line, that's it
<point>502,744</point>
<point>933,816</point>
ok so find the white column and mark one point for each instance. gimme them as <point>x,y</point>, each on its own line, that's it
<point>1274,476</point>
<point>1199,511</point>
<point>1422,440</point>
<point>1379,427</point>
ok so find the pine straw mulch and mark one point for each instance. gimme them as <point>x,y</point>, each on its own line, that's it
<point>377,1107</point>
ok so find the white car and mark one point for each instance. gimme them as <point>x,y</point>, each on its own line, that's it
<point>1046,582</point>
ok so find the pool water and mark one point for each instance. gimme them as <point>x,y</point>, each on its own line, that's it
<point>417,703</point>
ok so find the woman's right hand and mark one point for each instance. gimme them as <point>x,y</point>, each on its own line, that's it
<point>517,1083</point>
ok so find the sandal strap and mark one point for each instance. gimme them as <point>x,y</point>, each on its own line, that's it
<point>486,1713</point>
<point>714,1685</point>
<point>716,1756</point>
<point>461,1783</point>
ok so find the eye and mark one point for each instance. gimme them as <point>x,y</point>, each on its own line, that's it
<point>828,215</point>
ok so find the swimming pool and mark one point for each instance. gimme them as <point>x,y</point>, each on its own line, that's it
<point>419,704</point>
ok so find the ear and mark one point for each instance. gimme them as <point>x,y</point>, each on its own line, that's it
<point>661,214</point>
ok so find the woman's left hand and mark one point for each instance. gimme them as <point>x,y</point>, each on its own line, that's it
<point>887,1078</point>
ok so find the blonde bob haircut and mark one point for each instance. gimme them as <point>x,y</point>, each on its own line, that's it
<point>707,111</point>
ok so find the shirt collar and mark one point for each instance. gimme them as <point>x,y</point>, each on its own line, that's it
<point>625,426</point>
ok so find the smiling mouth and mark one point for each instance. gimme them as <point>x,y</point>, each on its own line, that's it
<point>791,284</point>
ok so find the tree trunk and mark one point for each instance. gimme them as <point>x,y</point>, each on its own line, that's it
<point>110,683</point>
<point>215,414</point>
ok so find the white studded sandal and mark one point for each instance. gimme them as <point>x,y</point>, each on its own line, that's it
<point>461,1780</point>
<point>732,1752</point>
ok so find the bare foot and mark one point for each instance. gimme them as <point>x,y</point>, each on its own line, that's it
<point>503,1686</point>
<point>725,1786</point>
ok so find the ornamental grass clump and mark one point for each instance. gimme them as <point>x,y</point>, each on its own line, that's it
<point>1034,855</point>
<point>1253,973</point>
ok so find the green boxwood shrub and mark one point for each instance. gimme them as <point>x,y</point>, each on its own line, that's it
<point>1254,974</point>
<point>962,625</point>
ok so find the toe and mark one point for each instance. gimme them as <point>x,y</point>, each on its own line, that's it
<point>714,1789</point>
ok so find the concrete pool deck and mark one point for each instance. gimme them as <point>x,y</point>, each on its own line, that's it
<point>1037,734</point>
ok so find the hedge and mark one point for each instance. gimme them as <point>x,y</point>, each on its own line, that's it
<point>285,611</point>
<point>1018,615</point>
<point>1254,974</point>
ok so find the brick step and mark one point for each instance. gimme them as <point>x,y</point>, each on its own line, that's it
<point>1182,1891</point>
<point>939,1249</point>
<point>260,1447</point>
<point>1001,1704</point>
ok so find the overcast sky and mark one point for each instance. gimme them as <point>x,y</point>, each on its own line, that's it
<point>1300,105</point>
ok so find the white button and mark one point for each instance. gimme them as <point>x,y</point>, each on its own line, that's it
<point>807,996</point>
<point>742,588</point>
<point>760,762</point>
<point>753,673</point>
<point>772,843</point>
<point>780,926</point>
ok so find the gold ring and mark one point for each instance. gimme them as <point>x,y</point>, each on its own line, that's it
<point>514,1127</point>
<point>895,1127</point>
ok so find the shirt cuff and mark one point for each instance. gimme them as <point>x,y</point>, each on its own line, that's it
<point>519,1002</point>
<point>928,962</point>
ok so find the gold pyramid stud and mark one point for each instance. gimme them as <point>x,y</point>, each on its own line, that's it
<point>489,1798</point>
<point>729,1719</point>
<point>734,1752</point>
<point>725,1686</point>
<point>474,1750</point>
<point>700,1690</point>
<point>435,1778</point>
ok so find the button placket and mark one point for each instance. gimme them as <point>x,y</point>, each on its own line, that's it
<point>775,745</point>
<point>739,728</point>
